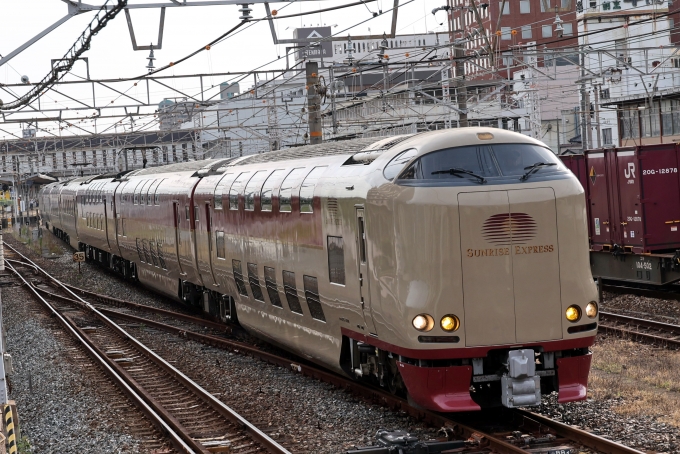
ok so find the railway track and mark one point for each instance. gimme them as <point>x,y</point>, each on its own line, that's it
<point>640,329</point>
<point>193,419</point>
<point>512,431</point>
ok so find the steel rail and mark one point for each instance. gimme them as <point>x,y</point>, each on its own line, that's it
<point>122,303</point>
<point>219,406</point>
<point>671,294</point>
<point>104,363</point>
<point>633,322</point>
<point>592,441</point>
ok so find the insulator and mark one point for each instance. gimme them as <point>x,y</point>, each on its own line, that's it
<point>245,11</point>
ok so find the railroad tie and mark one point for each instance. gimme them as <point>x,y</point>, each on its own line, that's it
<point>9,427</point>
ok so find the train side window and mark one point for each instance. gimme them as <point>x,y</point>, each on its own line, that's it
<point>119,226</point>
<point>219,245</point>
<point>236,188</point>
<point>291,292</point>
<point>156,194</point>
<point>254,281</point>
<point>268,188</point>
<point>312,295</point>
<point>307,189</point>
<point>161,260</point>
<point>219,190</point>
<point>398,162</point>
<point>252,188</point>
<point>122,223</point>
<point>336,260</point>
<point>272,289</point>
<point>150,191</point>
<point>139,250</point>
<point>286,193</point>
<point>238,277</point>
<point>152,250</point>
<point>196,214</point>
<point>186,212</point>
<point>146,252</point>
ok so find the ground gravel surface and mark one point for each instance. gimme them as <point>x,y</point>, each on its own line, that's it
<point>667,311</point>
<point>60,408</point>
<point>644,433</point>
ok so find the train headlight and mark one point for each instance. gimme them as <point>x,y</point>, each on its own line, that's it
<point>450,323</point>
<point>591,309</point>
<point>423,322</point>
<point>573,313</point>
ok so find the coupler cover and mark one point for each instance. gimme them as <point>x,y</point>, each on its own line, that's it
<point>520,386</point>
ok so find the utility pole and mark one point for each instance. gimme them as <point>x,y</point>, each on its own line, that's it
<point>596,90</point>
<point>585,105</point>
<point>459,53</point>
<point>313,103</point>
<point>333,94</point>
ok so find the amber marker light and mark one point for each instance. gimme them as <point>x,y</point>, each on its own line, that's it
<point>591,309</point>
<point>573,313</point>
<point>484,136</point>
<point>423,322</point>
<point>450,323</point>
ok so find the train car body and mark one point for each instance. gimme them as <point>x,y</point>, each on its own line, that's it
<point>452,265</point>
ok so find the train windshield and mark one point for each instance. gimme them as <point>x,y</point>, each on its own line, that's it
<point>480,164</point>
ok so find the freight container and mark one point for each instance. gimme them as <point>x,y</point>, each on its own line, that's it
<point>603,200</point>
<point>649,190</point>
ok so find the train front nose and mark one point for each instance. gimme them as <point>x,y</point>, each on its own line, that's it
<point>509,239</point>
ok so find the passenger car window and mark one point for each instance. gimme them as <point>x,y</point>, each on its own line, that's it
<point>270,185</point>
<point>219,244</point>
<point>336,260</point>
<point>224,182</point>
<point>252,188</point>
<point>254,282</point>
<point>398,162</point>
<point>307,189</point>
<point>312,296</point>
<point>286,193</point>
<point>236,188</point>
<point>238,277</point>
<point>291,292</point>
<point>272,289</point>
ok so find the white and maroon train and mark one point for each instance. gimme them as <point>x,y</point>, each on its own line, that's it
<point>451,265</point>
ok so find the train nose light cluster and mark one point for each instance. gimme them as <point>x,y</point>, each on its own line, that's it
<point>450,323</point>
<point>423,322</point>
<point>591,309</point>
<point>573,313</point>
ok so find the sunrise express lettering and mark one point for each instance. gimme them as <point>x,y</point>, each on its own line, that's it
<point>518,250</point>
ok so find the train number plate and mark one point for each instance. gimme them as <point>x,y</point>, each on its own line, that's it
<point>562,451</point>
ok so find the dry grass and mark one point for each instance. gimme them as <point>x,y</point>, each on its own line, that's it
<point>645,377</point>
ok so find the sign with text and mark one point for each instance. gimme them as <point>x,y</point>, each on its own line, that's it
<point>79,257</point>
<point>312,49</point>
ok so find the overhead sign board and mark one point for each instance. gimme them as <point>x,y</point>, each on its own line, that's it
<point>312,45</point>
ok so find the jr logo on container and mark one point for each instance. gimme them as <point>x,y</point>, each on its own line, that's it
<point>630,173</point>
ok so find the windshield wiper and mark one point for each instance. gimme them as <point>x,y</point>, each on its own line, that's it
<point>535,168</point>
<point>458,172</point>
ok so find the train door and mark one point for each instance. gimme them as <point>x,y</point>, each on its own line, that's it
<point>362,259</point>
<point>175,209</point>
<point>208,227</point>
<point>598,198</point>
